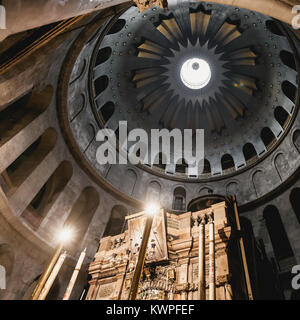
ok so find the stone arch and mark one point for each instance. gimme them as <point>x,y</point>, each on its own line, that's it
<point>258,181</point>
<point>206,167</point>
<point>205,191</point>
<point>160,160</point>
<point>295,202</point>
<point>279,239</point>
<point>179,199</point>
<point>116,221</point>
<point>268,137</point>
<point>232,188</point>
<point>40,205</point>
<point>290,90</point>
<point>107,110</point>
<point>249,152</point>
<point>131,178</point>
<point>22,112</point>
<point>154,191</point>
<point>288,59</point>
<point>227,162</point>
<point>296,139</point>
<point>181,166</point>
<point>82,214</point>
<point>282,116</point>
<point>18,171</point>
<point>281,165</point>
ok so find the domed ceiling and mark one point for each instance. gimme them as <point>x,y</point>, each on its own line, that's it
<point>146,69</point>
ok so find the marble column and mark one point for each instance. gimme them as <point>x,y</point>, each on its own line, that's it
<point>212,274</point>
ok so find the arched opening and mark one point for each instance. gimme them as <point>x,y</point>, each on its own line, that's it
<point>118,26</point>
<point>279,239</point>
<point>181,166</point>
<point>227,162</point>
<point>267,137</point>
<point>22,112</point>
<point>160,161</point>
<point>282,116</point>
<point>249,152</point>
<point>103,55</point>
<point>101,84</point>
<point>116,223</point>
<point>288,59</point>
<point>24,165</point>
<point>296,140</point>
<point>153,192</point>
<point>289,90</point>
<point>179,199</point>
<point>295,202</point>
<point>274,27</point>
<point>107,111</point>
<point>129,182</point>
<point>38,208</point>
<point>81,215</point>
<point>207,167</point>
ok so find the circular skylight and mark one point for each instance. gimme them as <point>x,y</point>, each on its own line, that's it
<point>195,73</point>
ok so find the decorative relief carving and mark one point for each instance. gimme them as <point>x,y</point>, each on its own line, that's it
<point>146,4</point>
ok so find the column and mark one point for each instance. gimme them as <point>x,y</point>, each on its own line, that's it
<point>212,275</point>
<point>201,263</point>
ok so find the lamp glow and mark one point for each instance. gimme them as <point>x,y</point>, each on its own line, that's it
<point>195,73</point>
<point>65,235</point>
<point>152,209</point>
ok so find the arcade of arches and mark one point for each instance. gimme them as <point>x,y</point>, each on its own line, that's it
<point>63,77</point>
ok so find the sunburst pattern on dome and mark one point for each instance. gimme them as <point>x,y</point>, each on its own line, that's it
<point>187,36</point>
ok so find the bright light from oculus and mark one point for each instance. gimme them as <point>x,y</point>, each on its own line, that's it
<point>152,209</point>
<point>65,235</point>
<point>195,73</point>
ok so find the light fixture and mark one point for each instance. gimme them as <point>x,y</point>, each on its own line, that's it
<point>65,235</point>
<point>152,209</point>
<point>195,73</point>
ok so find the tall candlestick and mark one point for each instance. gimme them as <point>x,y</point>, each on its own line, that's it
<point>74,276</point>
<point>52,276</point>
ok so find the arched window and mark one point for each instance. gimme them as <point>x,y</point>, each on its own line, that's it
<point>22,112</point>
<point>103,55</point>
<point>295,202</point>
<point>116,223</point>
<point>160,161</point>
<point>16,173</point>
<point>153,192</point>
<point>46,197</point>
<point>118,26</point>
<point>249,151</point>
<point>207,168</point>
<point>227,162</point>
<point>288,59</point>
<point>107,111</point>
<point>267,136</point>
<point>281,116</point>
<point>179,199</point>
<point>273,27</point>
<point>81,215</point>
<point>289,90</point>
<point>101,84</point>
<point>296,140</point>
<point>280,242</point>
<point>181,166</point>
